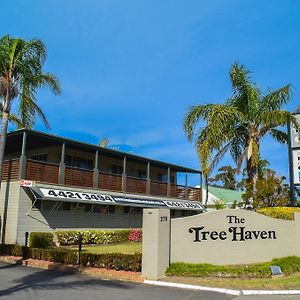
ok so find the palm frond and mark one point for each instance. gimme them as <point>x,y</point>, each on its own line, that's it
<point>274,100</point>
<point>280,136</point>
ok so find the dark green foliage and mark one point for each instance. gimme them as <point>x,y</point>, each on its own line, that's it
<point>115,261</point>
<point>41,239</point>
<point>70,237</point>
<point>289,265</point>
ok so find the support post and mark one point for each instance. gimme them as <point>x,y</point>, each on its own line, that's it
<point>124,176</point>
<point>186,190</point>
<point>156,242</point>
<point>62,165</point>
<point>148,185</point>
<point>291,171</point>
<point>22,162</point>
<point>201,185</point>
<point>96,172</point>
<point>169,182</point>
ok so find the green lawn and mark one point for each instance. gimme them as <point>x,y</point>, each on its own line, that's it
<point>286,283</point>
<point>126,248</point>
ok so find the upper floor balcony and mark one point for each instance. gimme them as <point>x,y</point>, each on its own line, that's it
<point>54,160</point>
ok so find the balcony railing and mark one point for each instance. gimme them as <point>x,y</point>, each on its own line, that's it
<point>49,173</point>
<point>112,182</point>
<point>10,169</point>
<point>41,171</point>
<point>78,177</point>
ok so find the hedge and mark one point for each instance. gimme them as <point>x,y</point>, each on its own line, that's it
<point>70,237</point>
<point>290,264</point>
<point>41,239</point>
<point>285,213</point>
<point>116,261</point>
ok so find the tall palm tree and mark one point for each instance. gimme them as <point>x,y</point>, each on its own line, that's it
<point>21,74</point>
<point>239,125</point>
<point>227,175</point>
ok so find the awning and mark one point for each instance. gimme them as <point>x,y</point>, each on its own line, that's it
<point>69,195</point>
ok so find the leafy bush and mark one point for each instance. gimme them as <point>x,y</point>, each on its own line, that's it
<point>290,264</point>
<point>135,235</point>
<point>116,261</point>
<point>14,250</point>
<point>55,255</point>
<point>41,239</point>
<point>270,191</point>
<point>70,237</point>
<point>286,213</point>
<point>219,204</point>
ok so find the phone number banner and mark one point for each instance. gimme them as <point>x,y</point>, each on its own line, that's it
<point>77,196</point>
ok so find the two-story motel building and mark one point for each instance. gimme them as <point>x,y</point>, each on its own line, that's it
<point>51,182</point>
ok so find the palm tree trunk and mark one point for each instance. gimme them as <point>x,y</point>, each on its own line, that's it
<point>3,141</point>
<point>206,188</point>
<point>249,170</point>
<point>5,116</point>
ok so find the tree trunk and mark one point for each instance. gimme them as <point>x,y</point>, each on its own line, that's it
<point>254,184</point>
<point>206,188</point>
<point>2,149</point>
<point>249,170</point>
<point>3,141</point>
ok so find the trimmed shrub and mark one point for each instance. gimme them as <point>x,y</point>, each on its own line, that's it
<point>41,239</point>
<point>135,235</point>
<point>285,213</point>
<point>116,261</point>
<point>289,265</point>
<point>70,237</point>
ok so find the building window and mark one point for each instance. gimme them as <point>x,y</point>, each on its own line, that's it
<point>39,157</point>
<point>66,205</point>
<point>164,178</point>
<point>133,210</point>
<point>78,162</point>
<point>136,211</point>
<point>142,174</point>
<point>126,209</point>
<point>115,169</point>
<point>88,207</point>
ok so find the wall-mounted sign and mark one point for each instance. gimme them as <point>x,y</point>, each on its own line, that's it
<point>26,183</point>
<point>236,232</point>
<point>295,134</point>
<point>296,166</point>
<point>232,237</point>
<point>85,197</point>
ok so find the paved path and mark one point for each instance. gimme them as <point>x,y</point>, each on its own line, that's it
<point>18,282</point>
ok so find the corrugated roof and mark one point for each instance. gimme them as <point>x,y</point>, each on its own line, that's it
<point>228,196</point>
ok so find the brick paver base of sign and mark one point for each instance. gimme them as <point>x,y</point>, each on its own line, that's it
<point>91,271</point>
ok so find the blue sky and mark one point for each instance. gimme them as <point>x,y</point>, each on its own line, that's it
<point>129,70</point>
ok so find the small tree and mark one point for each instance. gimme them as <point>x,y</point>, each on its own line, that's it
<point>271,191</point>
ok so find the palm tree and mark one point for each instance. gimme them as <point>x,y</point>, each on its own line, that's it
<point>21,74</point>
<point>239,125</point>
<point>227,175</point>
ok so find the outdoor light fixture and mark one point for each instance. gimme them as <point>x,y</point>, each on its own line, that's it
<point>276,270</point>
